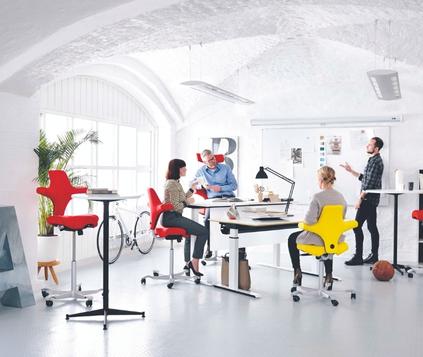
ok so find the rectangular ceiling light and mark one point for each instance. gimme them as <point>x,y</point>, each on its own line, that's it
<point>326,122</point>
<point>217,92</point>
<point>385,83</point>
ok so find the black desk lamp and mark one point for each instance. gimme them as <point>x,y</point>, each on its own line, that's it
<point>262,175</point>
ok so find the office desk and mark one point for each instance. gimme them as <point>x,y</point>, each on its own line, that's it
<point>218,210</point>
<point>396,193</point>
<point>240,226</point>
<point>105,311</point>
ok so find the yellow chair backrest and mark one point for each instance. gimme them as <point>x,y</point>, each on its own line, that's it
<point>329,227</point>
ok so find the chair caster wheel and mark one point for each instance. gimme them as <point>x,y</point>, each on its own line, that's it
<point>67,317</point>
<point>155,273</point>
<point>88,303</point>
<point>334,302</point>
<point>296,298</point>
<point>143,281</point>
<point>79,287</point>
<point>197,281</point>
<point>170,285</point>
<point>49,303</point>
<point>203,262</point>
<point>353,296</point>
<point>371,268</point>
<point>104,327</point>
<point>44,293</point>
<point>410,275</point>
<point>143,315</point>
<point>293,289</point>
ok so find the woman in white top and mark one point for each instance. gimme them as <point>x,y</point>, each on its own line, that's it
<point>327,196</point>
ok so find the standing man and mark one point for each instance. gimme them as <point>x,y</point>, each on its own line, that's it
<point>367,204</point>
<point>218,180</point>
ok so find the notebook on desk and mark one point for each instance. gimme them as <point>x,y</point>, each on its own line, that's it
<point>227,199</point>
<point>267,218</point>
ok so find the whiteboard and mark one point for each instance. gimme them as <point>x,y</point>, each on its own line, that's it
<point>298,154</point>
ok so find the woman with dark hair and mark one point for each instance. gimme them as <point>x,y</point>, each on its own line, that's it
<point>175,194</point>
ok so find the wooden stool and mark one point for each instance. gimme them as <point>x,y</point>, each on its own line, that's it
<point>49,266</point>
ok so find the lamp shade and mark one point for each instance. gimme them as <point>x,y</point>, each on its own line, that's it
<point>385,83</point>
<point>261,174</point>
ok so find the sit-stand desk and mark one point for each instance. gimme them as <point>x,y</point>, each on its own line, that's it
<point>105,311</point>
<point>245,225</point>
<point>396,193</point>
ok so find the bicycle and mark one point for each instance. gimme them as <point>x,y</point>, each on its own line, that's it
<point>141,237</point>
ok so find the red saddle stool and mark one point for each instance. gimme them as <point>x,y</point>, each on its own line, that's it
<point>168,233</point>
<point>60,193</point>
<point>417,215</point>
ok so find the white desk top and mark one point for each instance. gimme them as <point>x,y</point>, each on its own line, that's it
<point>103,197</point>
<point>213,204</point>
<point>248,222</point>
<point>393,191</point>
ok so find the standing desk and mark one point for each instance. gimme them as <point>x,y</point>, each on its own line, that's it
<point>105,311</point>
<point>218,210</point>
<point>396,193</point>
<point>246,225</point>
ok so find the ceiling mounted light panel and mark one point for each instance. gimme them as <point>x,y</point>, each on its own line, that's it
<point>385,83</point>
<point>217,92</point>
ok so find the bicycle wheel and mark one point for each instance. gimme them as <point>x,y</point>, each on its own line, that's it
<point>116,238</point>
<point>143,235</point>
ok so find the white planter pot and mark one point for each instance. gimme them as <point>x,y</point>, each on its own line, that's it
<point>48,248</point>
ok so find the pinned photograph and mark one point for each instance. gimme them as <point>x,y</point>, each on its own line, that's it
<point>334,146</point>
<point>297,156</point>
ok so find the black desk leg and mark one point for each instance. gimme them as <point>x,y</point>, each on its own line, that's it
<point>396,266</point>
<point>105,311</point>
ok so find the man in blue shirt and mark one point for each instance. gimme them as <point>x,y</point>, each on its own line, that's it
<point>218,180</point>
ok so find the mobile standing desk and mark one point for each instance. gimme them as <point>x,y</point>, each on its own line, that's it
<point>396,193</point>
<point>105,311</point>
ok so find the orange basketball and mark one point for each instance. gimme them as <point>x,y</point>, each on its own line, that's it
<point>383,270</point>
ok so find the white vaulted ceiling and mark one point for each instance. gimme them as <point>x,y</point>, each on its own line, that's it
<point>282,54</point>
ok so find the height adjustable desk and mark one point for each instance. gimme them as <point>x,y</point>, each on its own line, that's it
<point>105,311</point>
<point>396,193</point>
<point>247,225</point>
<point>218,210</point>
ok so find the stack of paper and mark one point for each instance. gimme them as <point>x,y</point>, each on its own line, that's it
<point>104,191</point>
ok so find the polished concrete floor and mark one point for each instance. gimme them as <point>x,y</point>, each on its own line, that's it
<point>191,320</point>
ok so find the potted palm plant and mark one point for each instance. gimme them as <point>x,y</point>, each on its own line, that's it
<point>55,155</point>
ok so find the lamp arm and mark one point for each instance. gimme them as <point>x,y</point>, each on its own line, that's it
<point>277,174</point>
<point>292,182</point>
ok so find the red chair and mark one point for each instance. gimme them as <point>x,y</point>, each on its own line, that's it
<point>418,215</point>
<point>168,233</point>
<point>219,157</point>
<point>60,193</point>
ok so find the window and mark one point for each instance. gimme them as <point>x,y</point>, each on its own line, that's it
<point>121,161</point>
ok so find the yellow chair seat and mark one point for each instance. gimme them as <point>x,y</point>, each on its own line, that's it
<point>319,250</point>
<point>329,228</point>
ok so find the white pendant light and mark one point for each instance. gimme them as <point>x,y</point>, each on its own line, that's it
<point>385,82</point>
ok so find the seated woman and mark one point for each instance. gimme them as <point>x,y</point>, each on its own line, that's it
<point>174,194</point>
<point>327,196</point>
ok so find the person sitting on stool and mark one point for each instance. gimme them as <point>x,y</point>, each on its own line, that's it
<point>174,194</point>
<point>327,196</point>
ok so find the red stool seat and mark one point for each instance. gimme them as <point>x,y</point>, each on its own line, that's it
<point>417,214</point>
<point>74,223</point>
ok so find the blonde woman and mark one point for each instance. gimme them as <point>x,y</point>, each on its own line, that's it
<point>327,196</point>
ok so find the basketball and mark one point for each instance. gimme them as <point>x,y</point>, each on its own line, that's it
<point>383,270</point>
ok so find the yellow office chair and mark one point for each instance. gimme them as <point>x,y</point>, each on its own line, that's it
<point>329,227</point>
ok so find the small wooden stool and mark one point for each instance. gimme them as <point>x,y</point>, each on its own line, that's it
<point>49,266</point>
